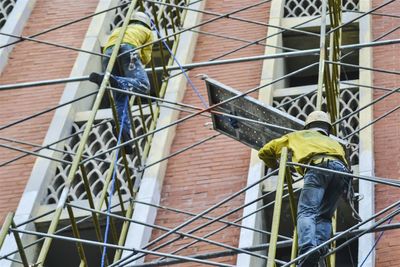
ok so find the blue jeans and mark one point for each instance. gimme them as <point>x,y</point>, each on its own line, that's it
<point>317,203</point>
<point>129,72</point>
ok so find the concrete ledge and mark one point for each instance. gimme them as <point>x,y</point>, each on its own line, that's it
<point>152,182</point>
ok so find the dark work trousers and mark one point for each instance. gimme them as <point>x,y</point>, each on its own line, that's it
<point>129,72</point>
<point>317,203</point>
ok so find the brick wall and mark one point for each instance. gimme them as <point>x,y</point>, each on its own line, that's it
<point>33,62</point>
<point>201,177</point>
<point>387,131</point>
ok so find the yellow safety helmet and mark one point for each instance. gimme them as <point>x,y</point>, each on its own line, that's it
<point>319,116</point>
<point>142,17</point>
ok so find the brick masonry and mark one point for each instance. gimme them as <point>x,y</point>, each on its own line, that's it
<point>387,131</point>
<point>199,178</point>
<point>33,62</point>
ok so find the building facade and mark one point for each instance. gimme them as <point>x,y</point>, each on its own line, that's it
<point>194,179</point>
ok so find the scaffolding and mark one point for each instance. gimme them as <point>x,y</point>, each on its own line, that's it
<point>103,212</point>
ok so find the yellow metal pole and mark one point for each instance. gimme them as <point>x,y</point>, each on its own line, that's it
<point>5,228</point>
<point>332,257</point>
<point>277,209</point>
<point>21,249</point>
<point>81,148</point>
<point>124,230</point>
<point>334,90</point>
<point>293,213</point>
<point>92,206</point>
<point>75,231</point>
<point>8,222</point>
<point>321,56</point>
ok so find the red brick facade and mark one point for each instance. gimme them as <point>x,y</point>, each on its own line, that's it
<point>199,178</point>
<point>33,62</point>
<point>387,131</point>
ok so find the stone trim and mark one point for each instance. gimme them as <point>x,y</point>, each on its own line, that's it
<point>152,181</point>
<point>270,70</point>
<point>366,165</point>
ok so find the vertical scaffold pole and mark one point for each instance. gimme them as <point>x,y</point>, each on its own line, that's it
<point>75,231</point>
<point>277,209</point>
<point>321,55</point>
<point>293,213</point>
<point>9,222</point>
<point>20,246</point>
<point>5,228</point>
<point>332,90</point>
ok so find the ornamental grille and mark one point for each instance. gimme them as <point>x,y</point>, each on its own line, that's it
<point>304,8</point>
<point>101,138</point>
<point>349,102</point>
<point>6,6</point>
<point>170,15</point>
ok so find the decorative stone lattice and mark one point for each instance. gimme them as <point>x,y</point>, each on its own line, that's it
<point>101,138</point>
<point>170,17</point>
<point>6,6</point>
<point>349,102</point>
<point>304,8</point>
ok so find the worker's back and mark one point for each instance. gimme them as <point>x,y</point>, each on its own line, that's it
<point>308,143</point>
<point>304,145</point>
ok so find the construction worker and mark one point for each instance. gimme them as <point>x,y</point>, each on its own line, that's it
<point>321,190</point>
<point>128,72</point>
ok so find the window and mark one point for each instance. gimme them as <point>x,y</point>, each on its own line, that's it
<point>304,42</point>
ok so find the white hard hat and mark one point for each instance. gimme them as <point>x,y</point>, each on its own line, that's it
<point>142,17</point>
<point>317,116</point>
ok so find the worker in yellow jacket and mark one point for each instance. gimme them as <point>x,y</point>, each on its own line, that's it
<point>128,72</point>
<point>321,190</point>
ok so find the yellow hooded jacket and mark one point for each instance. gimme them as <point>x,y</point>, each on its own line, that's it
<point>136,35</point>
<point>304,145</point>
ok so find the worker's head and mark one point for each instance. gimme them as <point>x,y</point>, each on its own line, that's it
<point>141,18</point>
<point>318,120</point>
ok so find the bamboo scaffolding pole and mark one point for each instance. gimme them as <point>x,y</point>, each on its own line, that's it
<point>322,51</point>
<point>75,231</point>
<point>277,209</point>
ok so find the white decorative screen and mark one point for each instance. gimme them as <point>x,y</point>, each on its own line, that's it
<point>6,6</point>
<point>304,8</point>
<point>101,138</point>
<point>171,15</point>
<point>349,102</point>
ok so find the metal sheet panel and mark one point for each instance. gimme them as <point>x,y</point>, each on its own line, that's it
<point>251,134</point>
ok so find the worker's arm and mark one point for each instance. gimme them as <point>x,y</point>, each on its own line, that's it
<point>272,150</point>
<point>147,50</point>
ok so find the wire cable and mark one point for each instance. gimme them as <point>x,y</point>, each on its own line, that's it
<point>177,62</point>
<point>110,195</point>
<point>375,244</point>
